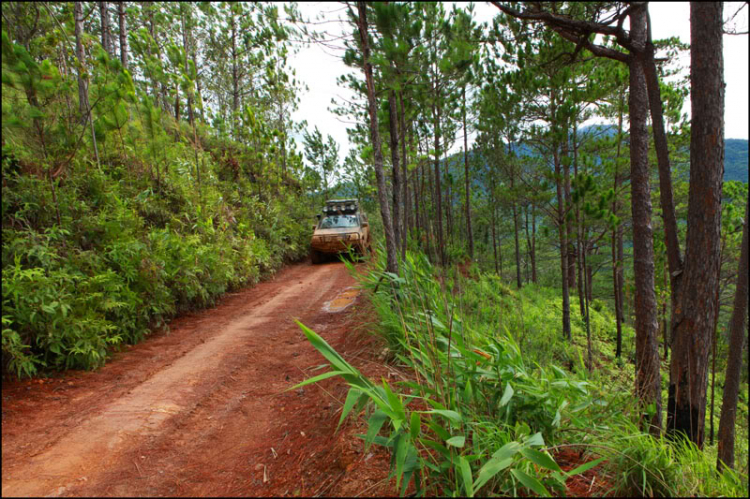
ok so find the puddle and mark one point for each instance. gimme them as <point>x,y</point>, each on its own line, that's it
<point>342,301</point>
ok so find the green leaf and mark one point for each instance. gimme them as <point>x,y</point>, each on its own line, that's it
<point>315,379</point>
<point>416,425</point>
<point>394,401</point>
<point>506,395</point>
<point>490,469</point>
<point>534,440</point>
<point>530,482</point>
<point>457,441</point>
<point>351,399</point>
<point>438,447</point>
<point>540,458</point>
<point>466,476</point>
<point>453,416</point>
<point>506,451</point>
<point>585,467</point>
<point>374,424</point>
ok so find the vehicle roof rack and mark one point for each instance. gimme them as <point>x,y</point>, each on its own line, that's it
<point>345,206</point>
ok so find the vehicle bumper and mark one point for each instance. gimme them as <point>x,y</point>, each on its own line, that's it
<point>335,245</point>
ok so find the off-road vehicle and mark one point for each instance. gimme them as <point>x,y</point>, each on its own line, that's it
<point>341,226</point>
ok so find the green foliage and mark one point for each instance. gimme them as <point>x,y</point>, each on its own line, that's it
<point>113,227</point>
<point>488,406</point>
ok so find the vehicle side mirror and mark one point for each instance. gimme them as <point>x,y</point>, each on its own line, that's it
<point>317,216</point>
<point>365,224</point>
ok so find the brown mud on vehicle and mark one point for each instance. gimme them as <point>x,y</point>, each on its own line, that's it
<point>341,227</point>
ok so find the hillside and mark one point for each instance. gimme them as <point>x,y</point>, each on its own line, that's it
<point>736,160</point>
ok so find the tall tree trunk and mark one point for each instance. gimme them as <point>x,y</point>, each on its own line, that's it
<point>519,284</point>
<point>648,376</point>
<point>511,169</point>
<point>438,194</point>
<point>572,256</point>
<point>533,244</point>
<point>713,375</point>
<point>617,235</point>
<point>492,220</point>
<point>696,313</point>
<point>199,90</point>
<point>235,77</point>
<point>665,324</point>
<point>587,288</point>
<point>528,241</point>
<point>674,257</point>
<point>404,175</point>
<point>579,237</point>
<point>618,345</point>
<point>123,34</point>
<point>184,18</point>
<point>579,269</point>
<point>467,178</point>
<point>83,95</point>
<point>397,188</point>
<point>385,212</point>
<point>83,91</point>
<point>734,361</point>
<point>448,205</point>
<point>418,193</point>
<point>106,30</point>
<point>562,232</point>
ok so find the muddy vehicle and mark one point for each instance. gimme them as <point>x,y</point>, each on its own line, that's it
<point>341,226</point>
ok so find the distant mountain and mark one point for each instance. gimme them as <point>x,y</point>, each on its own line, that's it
<point>735,155</point>
<point>735,160</point>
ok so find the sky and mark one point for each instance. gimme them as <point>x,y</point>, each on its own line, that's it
<point>319,66</point>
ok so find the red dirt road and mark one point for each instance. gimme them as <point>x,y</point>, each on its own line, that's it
<point>202,410</point>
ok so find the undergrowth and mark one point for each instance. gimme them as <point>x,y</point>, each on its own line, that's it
<point>127,254</point>
<point>497,391</point>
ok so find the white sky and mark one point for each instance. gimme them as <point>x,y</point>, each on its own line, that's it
<point>319,67</point>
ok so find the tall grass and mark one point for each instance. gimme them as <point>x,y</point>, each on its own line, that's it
<point>495,391</point>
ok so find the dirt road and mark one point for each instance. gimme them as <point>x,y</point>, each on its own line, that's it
<point>202,410</point>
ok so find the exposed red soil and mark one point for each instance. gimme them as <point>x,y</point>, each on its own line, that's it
<point>590,483</point>
<point>202,410</point>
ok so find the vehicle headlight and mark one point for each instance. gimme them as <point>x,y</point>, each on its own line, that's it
<point>354,236</point>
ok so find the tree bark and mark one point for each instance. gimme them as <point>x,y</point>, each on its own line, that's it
<point>734,362</point>
<point>83,96</point>
<point>468,180</point>
<point>696,311</point>
<point>186,47</point>
<point>674,257</point>
<point>617,244</point>
<point>404,175</point>
<point>511,171</point>
<point>648,376</point>
<point>618,343</point>
<point>533,245</point>
<point>562,233</point>
<point>106,36</point>
<point>438,191</point>
<point>123,34</point>
<point>572,256</point>
<point>385,212</point>
<point>235,77</point>
<point>397,188</point>
<point>492,219</point>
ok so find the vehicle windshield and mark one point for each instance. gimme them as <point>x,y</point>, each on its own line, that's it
<point>339,221</point>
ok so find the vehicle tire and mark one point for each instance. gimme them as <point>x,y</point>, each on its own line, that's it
<point>316,257</point>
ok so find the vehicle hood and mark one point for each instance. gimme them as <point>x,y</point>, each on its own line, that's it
<point>331,232</point>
